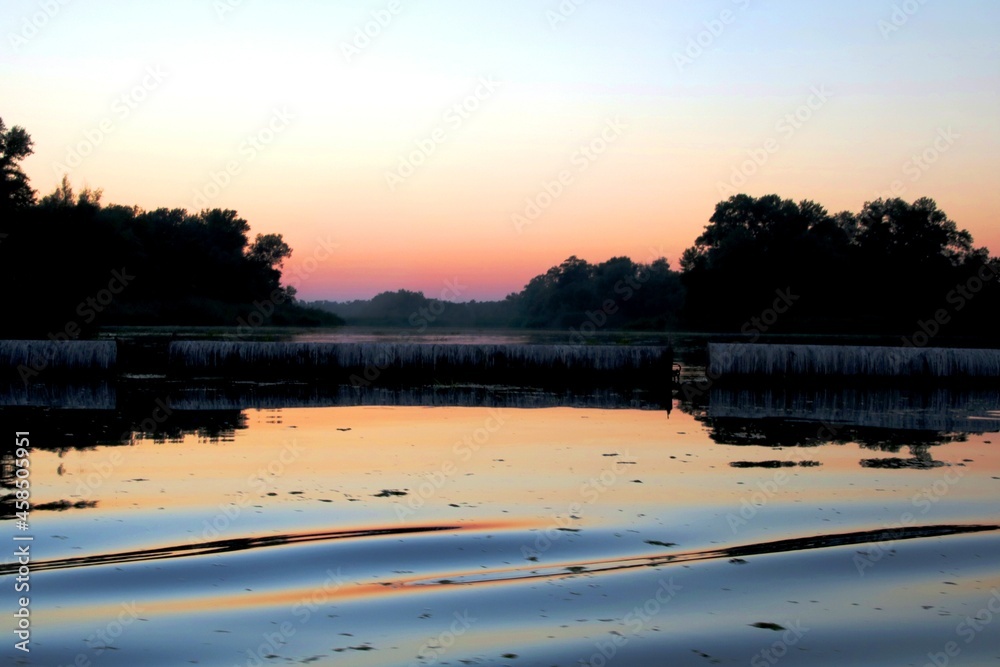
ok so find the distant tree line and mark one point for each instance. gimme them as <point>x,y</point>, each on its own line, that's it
<point>762,265</point>
<point>70,264</point>
<point>405,308</point>
<point>616,294</point>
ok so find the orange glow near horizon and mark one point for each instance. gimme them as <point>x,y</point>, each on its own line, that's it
<point>416,153</point>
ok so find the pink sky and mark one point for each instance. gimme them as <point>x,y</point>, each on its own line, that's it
<point>420,150</point>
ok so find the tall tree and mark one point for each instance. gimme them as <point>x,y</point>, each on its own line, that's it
<point>915,233</point>
<point>907,257</point>
<point>754,247</point>
<point>882,270</point>
<point>270,250</point>
<point>15,145</point>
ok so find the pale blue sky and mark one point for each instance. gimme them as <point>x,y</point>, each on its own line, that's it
<point>354,120</point>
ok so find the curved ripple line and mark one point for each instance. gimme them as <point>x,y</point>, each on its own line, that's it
<point>570,569</point>
<point>224,546</point>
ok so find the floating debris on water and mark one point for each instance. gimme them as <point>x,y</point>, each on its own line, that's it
<point>767,626</point>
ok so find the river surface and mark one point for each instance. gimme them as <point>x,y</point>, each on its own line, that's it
<point>434,534</point>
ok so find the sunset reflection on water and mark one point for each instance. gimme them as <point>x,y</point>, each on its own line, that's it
<point>378,524</point>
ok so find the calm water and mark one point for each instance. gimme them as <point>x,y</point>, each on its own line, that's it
<point>420,535</point>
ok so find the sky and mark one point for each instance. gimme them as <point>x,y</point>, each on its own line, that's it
<point>460,147</point>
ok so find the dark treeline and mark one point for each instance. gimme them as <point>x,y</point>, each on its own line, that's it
<point>616,294</point>
<point>762,265</point>
<point>404,308</point>
<point>894,267</point>
<point>70,264</point>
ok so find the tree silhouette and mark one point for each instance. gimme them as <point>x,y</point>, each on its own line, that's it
<point>188,268</point>
<point>889,268</point>
<point>15,145</point>
<point>754,247</point>
<point>915,234</point>
<point>878,271</point>
<point>270,250</point>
